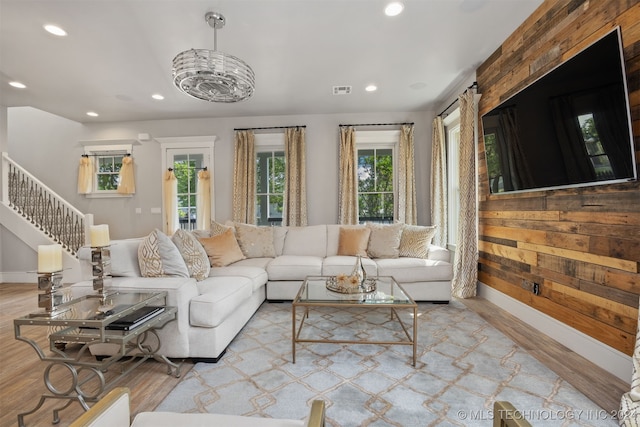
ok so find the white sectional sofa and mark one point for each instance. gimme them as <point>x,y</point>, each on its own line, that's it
<point>215,302</point>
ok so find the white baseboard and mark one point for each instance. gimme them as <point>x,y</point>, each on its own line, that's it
<point>18,277</point>
<point>608,358</point>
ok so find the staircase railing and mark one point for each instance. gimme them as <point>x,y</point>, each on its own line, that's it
<point>41,206</point>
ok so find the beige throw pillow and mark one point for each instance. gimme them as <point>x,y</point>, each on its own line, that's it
<point>384,241</point>
<point>415,240</point>
<point>159,257</point>
<point>222,249</point>
<point>353,241</point>
<point>194,255</point>
<point>255,242</point>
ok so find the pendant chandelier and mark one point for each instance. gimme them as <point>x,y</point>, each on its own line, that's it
<point>211,75</point>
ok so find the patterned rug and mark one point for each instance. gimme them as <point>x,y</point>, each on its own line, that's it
<point>463,366</point>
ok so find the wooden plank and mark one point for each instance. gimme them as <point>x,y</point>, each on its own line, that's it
<point>520,255</point>
<point>522,235</point>
<point>611,217</point>
<point>620,340</point>
<point>529,215</point>
<point>620,264</point>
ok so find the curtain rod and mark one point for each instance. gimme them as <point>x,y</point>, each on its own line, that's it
<point>271,127</point>
<point>198,169</point>
<point>107,153</point>
<point>473,85</point>
<point>378,124</point>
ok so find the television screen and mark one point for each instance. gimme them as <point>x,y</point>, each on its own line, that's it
<point>569,128</point>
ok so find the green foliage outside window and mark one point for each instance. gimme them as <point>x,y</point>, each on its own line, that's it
<point>375,184</point>
<point>108,174</point>
<point>270,181</point>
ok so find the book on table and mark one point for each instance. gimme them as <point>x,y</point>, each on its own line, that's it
<point>135,319</point>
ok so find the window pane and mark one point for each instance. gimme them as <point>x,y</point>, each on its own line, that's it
<point>366,170</point>
<point>384,170</point>
<point>105,164</point>
<point>278,173</point>
<point>276,204</point>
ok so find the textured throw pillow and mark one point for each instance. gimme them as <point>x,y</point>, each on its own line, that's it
<point>222,249</point>
<point>353,241</point>
<point>384,241</point>
<point>158,257</point>
<point>255,242</point>
<point>415,240</point>
<point>194,255</point>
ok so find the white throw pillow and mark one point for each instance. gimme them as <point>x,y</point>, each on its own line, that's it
<point>255,242</point>
<point>159,257</point>
<point>384,241</point>
<point>415,240</point>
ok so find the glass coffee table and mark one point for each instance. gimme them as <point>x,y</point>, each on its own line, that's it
<point>72,373</point>
<point>388,295</point>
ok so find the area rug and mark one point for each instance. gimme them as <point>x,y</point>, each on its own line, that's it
<point>463,366</point>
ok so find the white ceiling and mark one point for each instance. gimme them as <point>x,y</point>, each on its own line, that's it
<point>119,52</point>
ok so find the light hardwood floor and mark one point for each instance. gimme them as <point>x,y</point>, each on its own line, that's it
<point>21,371</point>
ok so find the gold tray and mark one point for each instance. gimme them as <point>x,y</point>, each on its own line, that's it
<point>369,285</point>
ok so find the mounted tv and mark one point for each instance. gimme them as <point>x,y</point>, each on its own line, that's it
<point>569,128</point>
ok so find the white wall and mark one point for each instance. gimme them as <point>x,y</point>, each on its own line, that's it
<point>49,147</point>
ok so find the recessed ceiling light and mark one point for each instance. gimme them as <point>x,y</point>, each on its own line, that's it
<point>371,88</point>
<point>394,8</point>
<point>157,96</point>
<point>18,85</point>
<point>92,114</point>
<point>55,30</point>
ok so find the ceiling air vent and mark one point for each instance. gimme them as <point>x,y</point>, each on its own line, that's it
<point>341,90</point>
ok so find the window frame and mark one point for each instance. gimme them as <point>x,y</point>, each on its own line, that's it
<point>96,152</point>
<point>451,128</point>
<point>204,144</point>
<point>379,140</point>
<point>268,143</point>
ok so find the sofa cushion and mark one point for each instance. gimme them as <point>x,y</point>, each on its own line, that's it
<point>415,240</point>
<point>255,242</point>
<point>294,267</point>
<point>222,249</point>
<point>406,270</point>
<point>172,419</point>
<point>310,240</point>
<point>257,275</point>
<point>337,264</point>
<point>384,241</point>
<point>158,257</point>
<point>279,235</point>
<point>194,255</point>
<point>219,297</point>
<point>353,241</point>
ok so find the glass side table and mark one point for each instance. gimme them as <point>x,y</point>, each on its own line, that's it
<point>71,372</point>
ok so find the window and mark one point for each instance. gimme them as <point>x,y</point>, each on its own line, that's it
<point>376,175</point>
<point>187,156</point>
<point>108,172</point>
<point>107,161</point>
<point>270,172</point>
<point>452,134</point>
<point>186,166</point>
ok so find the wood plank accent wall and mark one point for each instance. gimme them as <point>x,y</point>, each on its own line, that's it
<point>581,245</point>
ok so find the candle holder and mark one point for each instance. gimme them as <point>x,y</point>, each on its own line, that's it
<point>50,299</point>
<point>101,270</point>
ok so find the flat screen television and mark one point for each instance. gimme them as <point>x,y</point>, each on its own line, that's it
<point>569,128</point>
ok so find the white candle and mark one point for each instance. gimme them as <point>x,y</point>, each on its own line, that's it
<point>49,258</point>
<point>99,235</point>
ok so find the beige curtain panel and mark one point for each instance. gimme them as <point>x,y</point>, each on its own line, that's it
<point>348,183</point>
<point>85,175</point>
<point>295,191</point>
<point>465,269</point>
<point>203,200</point>
<point>439,183</point>
<point>406,205</point>
<point>127,184</point>
<point>244,178</point>
<point>170,198</point>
